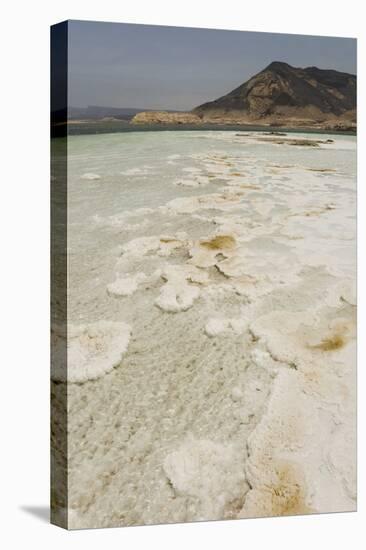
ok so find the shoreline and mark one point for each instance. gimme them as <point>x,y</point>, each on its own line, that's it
<point>87,127</point>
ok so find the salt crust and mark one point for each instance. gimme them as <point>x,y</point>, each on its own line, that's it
<point>162,245</point>
<point>301,451</point>
<point>178,294</point>
<point>288,446</point>
<point>198,181</point>
<point>210,471</point>
<point>121,220</point>
<point>92,351</point>
<point>142,171</point>
<point>126,286</point>
<point>214,327</point>
<point>205,251</point>
<point>90,176</point>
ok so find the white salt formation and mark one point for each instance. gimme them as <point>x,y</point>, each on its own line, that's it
<point>178,293</point>
<point>125,286</point>
<point>204,253</point>
<point>90,176</point>
<point>235,395</point>
<point>209,471</point>
<point>224,326</point>
<point>93,350</point>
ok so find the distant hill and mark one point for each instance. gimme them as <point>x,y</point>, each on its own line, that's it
<point>282,94</point>
<point>165,117</point>
<point>96,112</point>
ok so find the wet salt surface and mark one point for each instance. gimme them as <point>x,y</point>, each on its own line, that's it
<point>232,263</point>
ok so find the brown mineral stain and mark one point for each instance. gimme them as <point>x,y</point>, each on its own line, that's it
<point>334,342</point>
<point>233,507</point>
<point>321,170</point>
<point>313,213</point>
<point>296,142</point>
<point>288,493</point>
<point>249,186</point>
<point>168,240</point>
<point>219,242</point>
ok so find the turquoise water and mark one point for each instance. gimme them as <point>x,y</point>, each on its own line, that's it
<point>99,127</point>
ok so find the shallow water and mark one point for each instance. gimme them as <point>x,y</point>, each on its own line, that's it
<point>188,425</point>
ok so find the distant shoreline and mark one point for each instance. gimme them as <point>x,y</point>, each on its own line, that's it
<point>85,127</point>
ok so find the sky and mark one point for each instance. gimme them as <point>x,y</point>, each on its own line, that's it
<point>155,67</point>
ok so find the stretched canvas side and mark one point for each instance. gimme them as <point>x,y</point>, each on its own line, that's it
<point>59,440</point>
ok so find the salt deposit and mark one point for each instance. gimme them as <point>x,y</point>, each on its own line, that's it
<point>215,327</point>
<point>212,331</point>
<point>92,350</point>
<point>209,471</point>
<point>178,294</point>
<point>90,176</point>
<point>125,286</point>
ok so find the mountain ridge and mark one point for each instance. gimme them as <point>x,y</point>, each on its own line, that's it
<point>283,94</point>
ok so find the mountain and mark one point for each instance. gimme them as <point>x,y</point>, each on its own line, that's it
<point>285,95</point>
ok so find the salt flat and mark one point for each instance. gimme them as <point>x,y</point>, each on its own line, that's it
<point>212,310</point>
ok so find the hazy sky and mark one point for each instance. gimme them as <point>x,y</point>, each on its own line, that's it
<point>145,66</point>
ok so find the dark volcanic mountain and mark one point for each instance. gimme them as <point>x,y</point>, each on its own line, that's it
<point>287,95</point>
